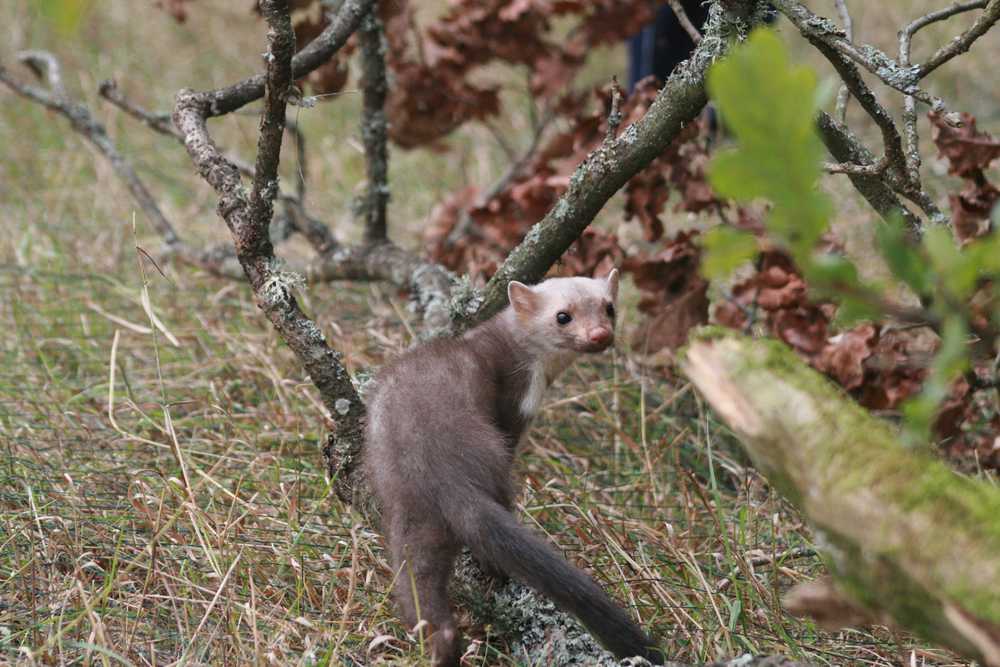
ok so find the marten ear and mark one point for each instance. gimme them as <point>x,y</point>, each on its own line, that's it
<point>522,298</point>
<point>613,284</point>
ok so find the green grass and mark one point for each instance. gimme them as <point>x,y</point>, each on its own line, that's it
<point>197,524</point>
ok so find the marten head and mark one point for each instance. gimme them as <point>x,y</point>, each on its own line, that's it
<point>567,314</point>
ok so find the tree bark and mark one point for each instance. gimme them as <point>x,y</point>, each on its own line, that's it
<point>905,538</point>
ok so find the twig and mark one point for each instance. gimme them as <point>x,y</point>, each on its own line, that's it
<point>464,225</point>
<point>248,219</point>
<point>301,162</point>
<point>824,35</point>
<point>254,236</point>
<point>45,65</point>
<point>912,147</point>
<point>921,198</point>
<point>317,52</point>
<point>820,37</point>
<point>843,95</point>
<point>962,43</point>
<point>430,284</point>
<point>615,115</point>
<point>317,233</point>
<point>374,126</point>
<point>875,169</point>
<point>848,149</point>
<point>685,20</point>
<point>159,122</point>
<point>47,68</point>
<point>820,30</point>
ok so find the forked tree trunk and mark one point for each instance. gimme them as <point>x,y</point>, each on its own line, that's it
<point>904,537</point>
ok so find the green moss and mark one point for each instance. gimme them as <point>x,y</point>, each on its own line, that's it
<point>913,533</point>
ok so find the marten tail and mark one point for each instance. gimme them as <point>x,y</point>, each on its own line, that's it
<point>496,538</point>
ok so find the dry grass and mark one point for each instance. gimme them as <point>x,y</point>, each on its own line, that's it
<point>165,503</point>
<point>197,526</point>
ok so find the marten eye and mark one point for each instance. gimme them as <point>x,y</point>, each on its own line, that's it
<point>610,310</point>
<point>563,318</point>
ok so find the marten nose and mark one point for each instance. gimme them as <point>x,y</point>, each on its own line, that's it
<point>600,335</point>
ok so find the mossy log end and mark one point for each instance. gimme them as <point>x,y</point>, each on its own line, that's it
<point>904,536</point>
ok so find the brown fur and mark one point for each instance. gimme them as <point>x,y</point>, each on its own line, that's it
<point>443,427</point>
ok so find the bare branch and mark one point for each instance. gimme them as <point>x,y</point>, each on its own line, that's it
<point>465,223</point>
<point>610,166</point>
<point>875,169</point>
<point>47,68</point>
<point>685,20</point>
<point>843,95</point>
<point>827,39</point>
<point>921,198</point>
<point>260,210</point>
<point>316,53</point>
<point>161,122</point>
<point>217,261</point>
<point>316,232</point>
<point>301,163</point>
<point>429,283</point>
<point>819,30</point>
<point>615,115</point>
<point>847,148</point>
<point>912,149</point>
<point>374,126</point>
<point>248,218</point>
<point>962,43</point>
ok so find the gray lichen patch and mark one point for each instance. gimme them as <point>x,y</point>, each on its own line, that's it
<point>279,285</point>
<point>465,299</point>
<point>889,70</point>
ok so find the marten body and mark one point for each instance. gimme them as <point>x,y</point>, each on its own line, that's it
<point>443,427</point>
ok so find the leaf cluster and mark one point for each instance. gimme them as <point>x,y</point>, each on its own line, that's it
<point>770,105</point>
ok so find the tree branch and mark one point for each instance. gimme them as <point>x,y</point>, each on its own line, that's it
<point>866,494</point>
<point>47,69</point>
<point>844,95</point>
<point>429,283</point>
<point>317,52</point>
<point>912,149</point>
<point>374,126</point>
<point>317,233</point>
<point>218,261</point>
<point>847,148</point>
<point>248,218</point>
<point>301,161</point>
<point>685,20</point>
<point>824,35</point>
<point>962,43</point>
<point>818,29</point>
<point>613,163</point>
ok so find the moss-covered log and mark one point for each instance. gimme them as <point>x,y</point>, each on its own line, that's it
<point>904,537</point>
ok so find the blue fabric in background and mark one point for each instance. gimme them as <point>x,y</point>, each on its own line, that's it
<point>661,45</point>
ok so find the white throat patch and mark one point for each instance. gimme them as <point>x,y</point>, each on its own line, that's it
<point>536,388</point>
